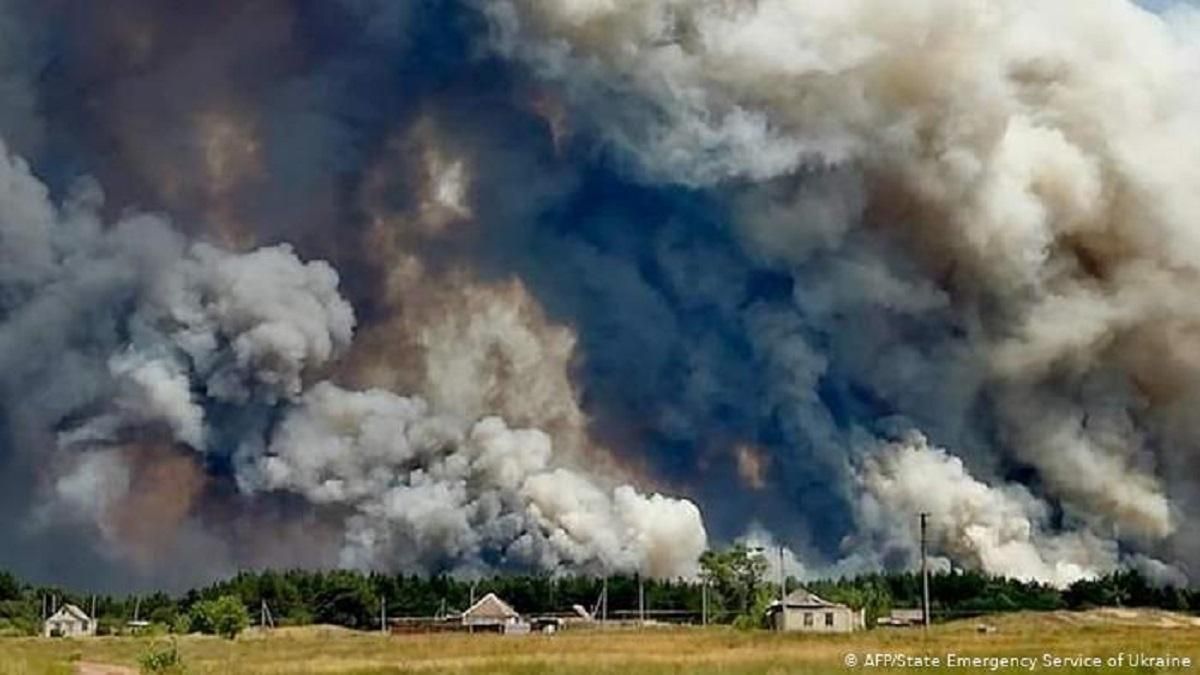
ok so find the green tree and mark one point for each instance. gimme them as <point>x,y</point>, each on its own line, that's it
<point>735,576</point>
<point>10,588</point>
<point>226,616</point>
<point>346,599</point>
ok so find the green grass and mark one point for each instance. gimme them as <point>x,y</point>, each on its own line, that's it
<point>628,652</point>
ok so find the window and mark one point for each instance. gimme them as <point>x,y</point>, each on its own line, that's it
<point>829,619</point>
<point>808,619</point>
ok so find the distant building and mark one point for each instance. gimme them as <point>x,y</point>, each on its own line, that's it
<point>547,624</point>
<point>805,612</point>
<point>69,621</point>
<point>902,618</point>
<point>491,613</point>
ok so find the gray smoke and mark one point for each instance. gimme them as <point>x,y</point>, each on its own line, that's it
<point>236,329</point>
<point>815,266</point>
<point>985,167</point>
<point>189,345</point>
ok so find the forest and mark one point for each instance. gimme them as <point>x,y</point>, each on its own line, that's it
<point>733,587</point>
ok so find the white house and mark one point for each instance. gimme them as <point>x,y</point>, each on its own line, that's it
<point>491,613</point>
<point>805,612</point>
<point>69,621</point>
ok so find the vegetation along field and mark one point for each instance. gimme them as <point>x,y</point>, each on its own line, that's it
<point>317,649</point>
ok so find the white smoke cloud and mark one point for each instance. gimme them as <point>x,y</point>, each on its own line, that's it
<point>789,565</point>
<point>213,326</point>
<point>1002,529</point>
<point>249,324</point>
<point>88,487</point>
<point>159,390</point>
<point>430,490</point>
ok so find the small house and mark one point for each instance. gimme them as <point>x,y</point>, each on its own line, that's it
<point>492,614</point>
<point>69,621</point>
<point>805,612</point>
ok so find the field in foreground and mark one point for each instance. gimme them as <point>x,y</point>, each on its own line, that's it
<point>713,650</point>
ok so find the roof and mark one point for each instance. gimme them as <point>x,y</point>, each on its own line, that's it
<point>804,598</point>
<point>490,607</point>
<point>69,611</point>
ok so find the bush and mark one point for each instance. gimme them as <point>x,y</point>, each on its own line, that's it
<point>226,616</point>
<point>182,624</point>
<point>17,627</point>
<point>161,658</point>
<point>756,616</point>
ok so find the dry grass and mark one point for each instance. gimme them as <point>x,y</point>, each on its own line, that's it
<point>713,650</point>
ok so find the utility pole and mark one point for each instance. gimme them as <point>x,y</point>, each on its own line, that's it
<point>704,603</point>
<point>925,611</point>
<point>265,620</point>
<point>782,581</point>
<point>383,615</point>
<point>604,602</point>
<point>641,599</point>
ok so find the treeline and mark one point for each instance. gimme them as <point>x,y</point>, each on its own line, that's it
<point>347,598</point>
<point>734,594</point>
<point>965,593</point>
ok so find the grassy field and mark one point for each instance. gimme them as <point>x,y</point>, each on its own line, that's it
<point>627,652</point>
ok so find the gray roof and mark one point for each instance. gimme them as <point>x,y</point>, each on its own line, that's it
<point>804,598</point>
<point>69,611</point>
<point>490,607</point>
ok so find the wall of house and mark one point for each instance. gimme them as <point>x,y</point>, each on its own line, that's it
<point>844,620</point>
<point>66,628</point>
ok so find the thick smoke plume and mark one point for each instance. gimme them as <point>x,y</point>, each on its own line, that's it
<point>461,286</point>
<point>1004,529</point>
<point>196,346</point>
<point>432,490</point>
<point>1033,161</point>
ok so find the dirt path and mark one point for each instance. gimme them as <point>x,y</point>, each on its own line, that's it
<point>86,668</point>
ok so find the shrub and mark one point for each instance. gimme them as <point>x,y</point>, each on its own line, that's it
<point>18,627</point>
<point>161,658</point>
<point>226,616</point>
<point>182,624</point>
